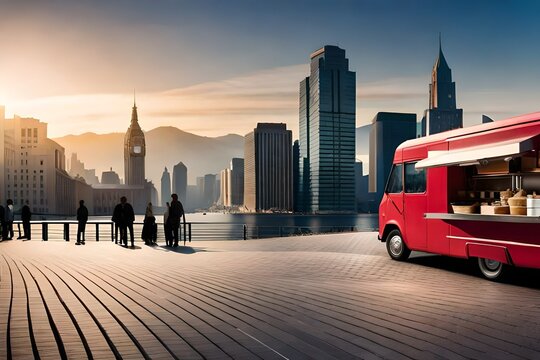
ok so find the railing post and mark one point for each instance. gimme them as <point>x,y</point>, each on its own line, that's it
<point>66,231</point>
<point>97,231</point>
<point>245,232</point>
<point>44,231</point>
<point>189,228</point>
<point>280,232</point>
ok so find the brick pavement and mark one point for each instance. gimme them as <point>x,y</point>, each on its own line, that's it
<point>333,296</point>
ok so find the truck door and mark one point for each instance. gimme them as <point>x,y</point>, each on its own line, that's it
<point>393,198</point>
<point>415,206</point>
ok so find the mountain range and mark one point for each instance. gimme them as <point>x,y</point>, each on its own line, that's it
<point>166,146</point>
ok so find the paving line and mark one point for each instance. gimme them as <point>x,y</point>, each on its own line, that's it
<point>263,344</point>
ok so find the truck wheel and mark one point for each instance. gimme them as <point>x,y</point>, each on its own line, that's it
<point>492,269</point>
<point>396,247</point>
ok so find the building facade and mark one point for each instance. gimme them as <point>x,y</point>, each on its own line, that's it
<point>134,152</point>
<point>442,114</point>
<point>388,130</point>
<point>268,183</point>
<point>110,177</point>
<point>34,169</point>
<point>232,184</point>
<point>165,187</point>
<point>180,182</point>
<point>327,118</point>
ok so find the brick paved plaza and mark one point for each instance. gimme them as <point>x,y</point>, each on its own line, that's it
<point>323,297</point>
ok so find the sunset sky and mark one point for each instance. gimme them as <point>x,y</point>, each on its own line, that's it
<point>218,67</point>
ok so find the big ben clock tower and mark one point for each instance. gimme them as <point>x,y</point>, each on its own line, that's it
<point>134,151</point>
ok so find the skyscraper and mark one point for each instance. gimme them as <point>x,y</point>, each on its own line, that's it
<point>232,183</point>
<point>180,181</point>
<point>134,151</point>
<point>2,153</point>
<point>442,114</point>
<point>165,187</point>
<point>327,134</point>
<point>388,130</point>
<point>268,168</point>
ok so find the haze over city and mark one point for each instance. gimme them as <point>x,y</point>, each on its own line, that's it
<point>215,67</point>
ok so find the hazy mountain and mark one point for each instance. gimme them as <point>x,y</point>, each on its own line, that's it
<point>165,146</point>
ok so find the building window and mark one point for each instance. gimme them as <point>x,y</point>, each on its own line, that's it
<point>23,132</point>
<point>41,162</point>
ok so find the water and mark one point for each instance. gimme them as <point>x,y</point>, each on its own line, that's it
<point>220,226</point>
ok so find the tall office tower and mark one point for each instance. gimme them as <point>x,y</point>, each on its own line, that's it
<point>225,177</point>
<point>296,176</point>
<point>209,190</point>
<point>442,114</point>
<point>236,183</point>
<point>134,151</point>
<point>388,130</point>
<point>268,168</point>
<point>327,134</point>
<point>165,187</point>
<point>180,182</point>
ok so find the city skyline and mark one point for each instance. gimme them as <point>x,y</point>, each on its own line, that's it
<point>116,47</point>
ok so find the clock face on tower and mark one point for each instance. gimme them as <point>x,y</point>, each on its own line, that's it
<point>137,149</point>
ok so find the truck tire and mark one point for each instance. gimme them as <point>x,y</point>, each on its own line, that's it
<point>396,247</point>
<point>492,270</point>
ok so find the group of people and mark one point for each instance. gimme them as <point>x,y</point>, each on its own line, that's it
<point>123,218</point>
<point>7,216</point>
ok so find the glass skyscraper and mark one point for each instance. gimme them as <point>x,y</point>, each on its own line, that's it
<point>327,134</point>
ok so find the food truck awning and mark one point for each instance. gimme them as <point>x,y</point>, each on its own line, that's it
<point>473,155</point>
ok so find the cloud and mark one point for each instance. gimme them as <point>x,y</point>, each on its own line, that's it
<point>236,105</point>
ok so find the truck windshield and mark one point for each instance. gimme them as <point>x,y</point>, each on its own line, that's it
<point>395,181</point>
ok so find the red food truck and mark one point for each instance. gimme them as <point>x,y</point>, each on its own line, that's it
<point>437,184</point>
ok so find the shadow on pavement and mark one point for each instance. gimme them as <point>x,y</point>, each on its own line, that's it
<point>517,276</point>
<point>187,250</point>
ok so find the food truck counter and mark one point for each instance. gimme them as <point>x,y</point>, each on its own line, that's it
<point>481,217</point>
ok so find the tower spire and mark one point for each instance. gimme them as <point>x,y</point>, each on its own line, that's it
<point>134,102</point>
<point>440,46</point>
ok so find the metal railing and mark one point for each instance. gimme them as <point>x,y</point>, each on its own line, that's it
<point>197,231</point>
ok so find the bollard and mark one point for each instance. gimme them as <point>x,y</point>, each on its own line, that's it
<point>45,231</point>
<point>66,231</point>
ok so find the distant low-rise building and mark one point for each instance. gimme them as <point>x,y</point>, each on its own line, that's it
<point>110,177</point>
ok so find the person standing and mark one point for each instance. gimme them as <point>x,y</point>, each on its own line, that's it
<point>167,226</point>
<point>148,225</point>
<point>8,220</point>
<point>117,214</point>
<point>127,217</point>
<point>175,213</point>
<point>3,223</point>
<point>82,219</point>
<point>26,215</point>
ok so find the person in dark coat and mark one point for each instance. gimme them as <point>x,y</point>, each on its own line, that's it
<point>26,215</point>
<point>2,222</point>
<point>117,214</point>
<point>175,213</point>
<point>167,226</point>
<point>82,218</point>
<point>148,225</point>
<point>8,220</point>
<point>127,217</point>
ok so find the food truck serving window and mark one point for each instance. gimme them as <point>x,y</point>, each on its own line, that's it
<point>395,181</point>
<point>415,180</point>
